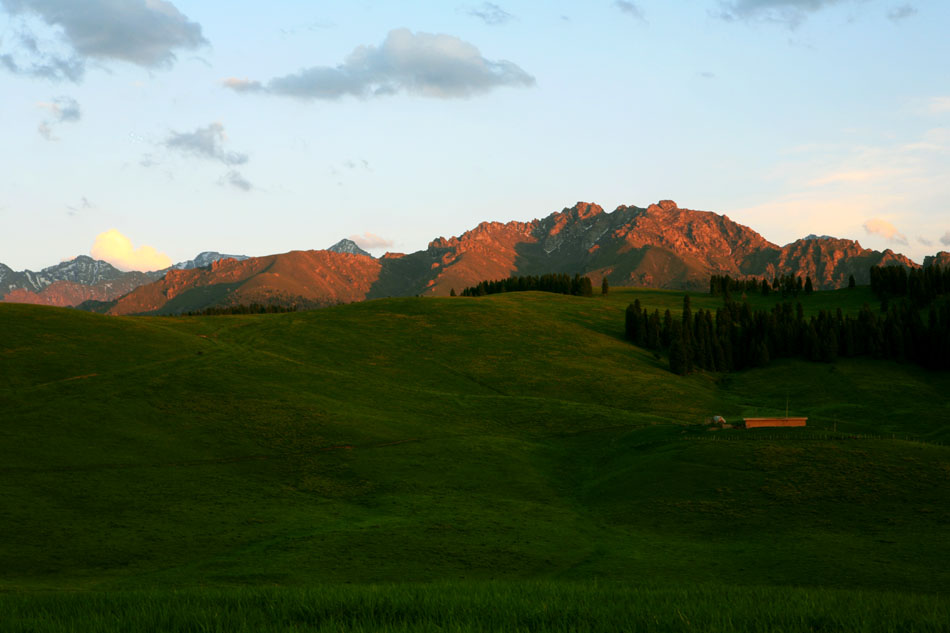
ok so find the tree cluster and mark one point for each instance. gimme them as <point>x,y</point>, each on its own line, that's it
<point>558,283</point>
<point>738,337</point>
<point>254,308</point>
<point>787,285</point>
<point>921,286</point>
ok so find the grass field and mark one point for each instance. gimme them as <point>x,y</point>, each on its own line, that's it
<point>457,460</point>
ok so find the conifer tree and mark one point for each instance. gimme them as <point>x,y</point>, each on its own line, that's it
<point>809,288</point>
<point>632,320</point>
<point>587,288</point>
<point>666,334</point>
<point>452,292</point>
<point>653,331</point>
<point>604,286</point>
<point>761,355</point>
<point>851,282</point>
<point>678,364</point>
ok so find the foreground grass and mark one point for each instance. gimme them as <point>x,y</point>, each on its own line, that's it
<point>496,607</point>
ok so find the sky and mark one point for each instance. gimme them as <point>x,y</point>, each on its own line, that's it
<point>143,132</point>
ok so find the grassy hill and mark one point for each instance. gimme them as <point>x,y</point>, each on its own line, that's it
<point>511,438</point>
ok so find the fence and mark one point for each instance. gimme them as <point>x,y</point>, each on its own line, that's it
<point>805,436</point>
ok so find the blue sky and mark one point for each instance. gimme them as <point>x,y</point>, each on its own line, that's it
<point>241,127</point>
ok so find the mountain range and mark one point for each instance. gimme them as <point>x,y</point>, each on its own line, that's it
<point>83,278</point>
<point>660,246</point>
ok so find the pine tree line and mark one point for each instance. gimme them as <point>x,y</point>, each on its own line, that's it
<point>922,286</point>
<point>738,337</point>
<point>254,308</point>
<point>787,285</point>
<point>558,283</point>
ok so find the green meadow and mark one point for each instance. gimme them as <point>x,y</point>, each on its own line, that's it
<point>498,463</point>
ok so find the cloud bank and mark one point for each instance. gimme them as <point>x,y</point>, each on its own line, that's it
<point>117,249</point>
<point>425,64</point>
<point>142,32</point>
<point>945,239</point>
<point>885,229</point>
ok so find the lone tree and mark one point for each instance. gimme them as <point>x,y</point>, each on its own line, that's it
<point>851,282</point>
<point>808,285</point>
<point>604,286</point>
<point>452,292</point>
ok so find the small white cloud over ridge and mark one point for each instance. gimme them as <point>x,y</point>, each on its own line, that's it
<point>885,229</point>
<point>369,240</point>
<point>115,248</point>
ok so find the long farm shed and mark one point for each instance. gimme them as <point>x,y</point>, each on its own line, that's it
<point>755,423</point>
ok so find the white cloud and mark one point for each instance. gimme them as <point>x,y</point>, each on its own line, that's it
<point>425,64</point>
<point>118,250</point>
<point>945,239</point>
<point>877,226</point>
<point>368,241</point>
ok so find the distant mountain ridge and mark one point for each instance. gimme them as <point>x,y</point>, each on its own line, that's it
<point>201,260</point>
<point>660,246</point>
<point>83,278</point>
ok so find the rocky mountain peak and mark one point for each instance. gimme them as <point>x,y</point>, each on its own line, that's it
<point>348,246</point>
<point>587,209</point>
<point>941,259</point>
<point>201,260</point>
<point>662,207</point>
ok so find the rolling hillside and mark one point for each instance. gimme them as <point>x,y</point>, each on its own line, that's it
<point>509,437</point>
